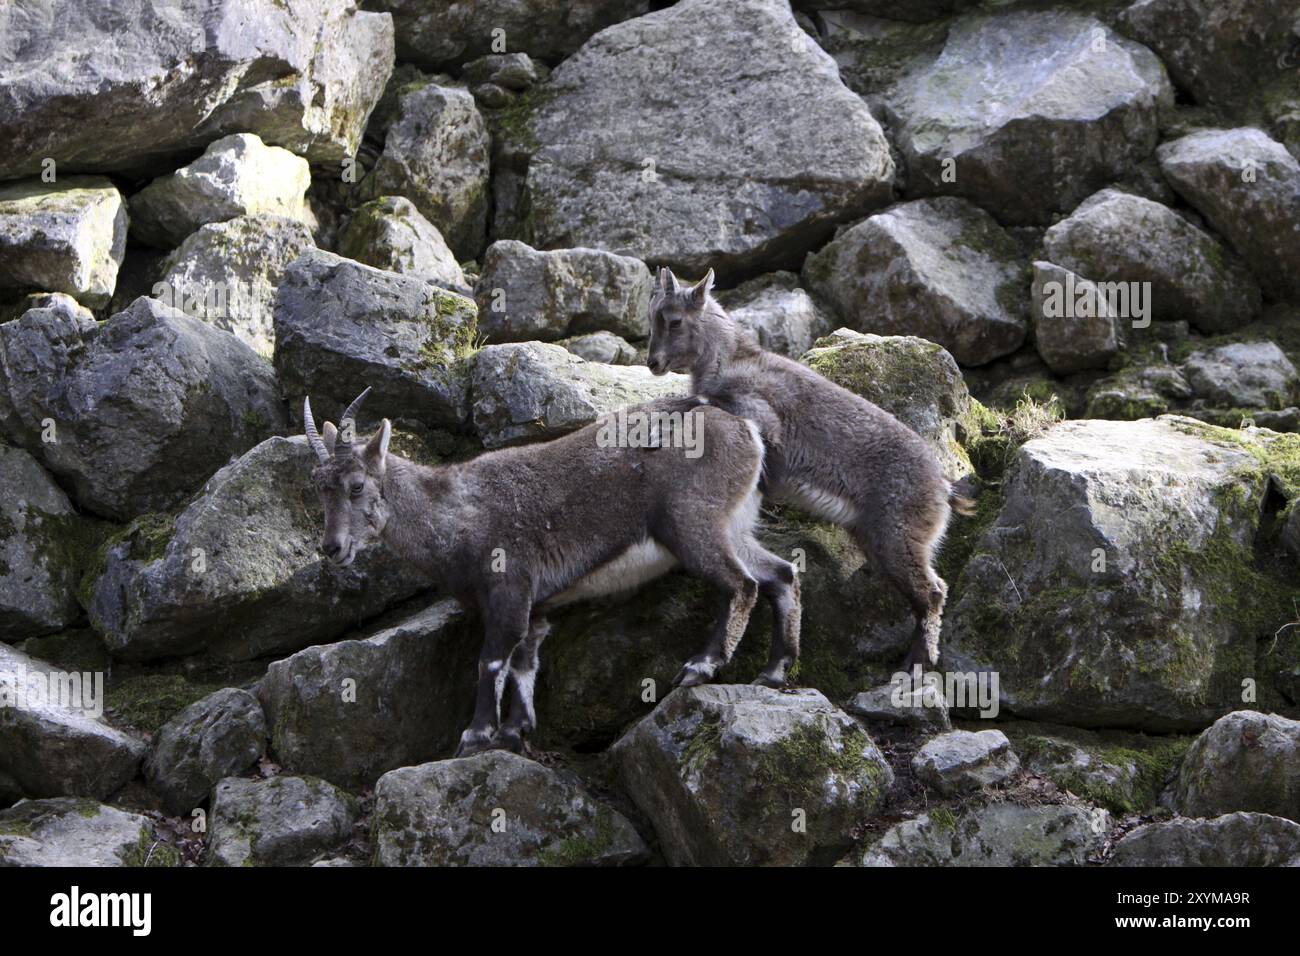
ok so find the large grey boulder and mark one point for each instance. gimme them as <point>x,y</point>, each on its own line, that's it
<point>1077,597</point>
<point>68,236</point>
<point>131,86</point>
<point>782,315</point>
<point>389,233</point>
<point>354,709</point>
<point>496,809</point>
<point>1245,761</point>
<point>227,274</point>
<point>922,708</point>
<point>1234,839</point>
<point>133,413</point>
<point>1244,375</point>
<point>238,175</point>
<point>216,737</point>
<point>1247,186</point>
<point>778,151</point>
<point>526,295</point>
<point>280,821</point>
<point>341,327</point>
<point>736,774</point>
<point>1028,112</point>
<point>52,741</point>
<point>435,154</point>
<point>965,760</point>
<point>916,381</point>
<point>1217,50</point>
<point>39,567</point>
<point>1075,325</point>
<point>440,35</point>
<point>530,390</point>
<point>940,268</point>
<point>602,347</point>
<point>66,832</point>
<point>237,574</point>
<point>999,834</point>
<point>1118,237</point>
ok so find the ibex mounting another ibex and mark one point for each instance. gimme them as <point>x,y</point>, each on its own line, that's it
<point>516,532</point>
<point>829,451</point>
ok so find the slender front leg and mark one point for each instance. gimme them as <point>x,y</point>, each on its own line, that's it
<point>505,619</point>
<point>523,680</point>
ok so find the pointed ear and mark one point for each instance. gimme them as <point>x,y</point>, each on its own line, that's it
<point>701,289</point>
<point>667,281</point>
<point>376,453</point>
<point>330,435</point>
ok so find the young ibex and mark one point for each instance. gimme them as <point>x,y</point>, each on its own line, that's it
<point>516,532</point>
<point>829,451</point>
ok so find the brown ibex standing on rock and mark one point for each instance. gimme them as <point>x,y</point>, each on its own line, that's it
<point>516,532</point>
<point>829,451</point>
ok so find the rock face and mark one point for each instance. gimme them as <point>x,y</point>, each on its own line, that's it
<point>352,710</point>
<point>1117,237</point>
<point>916,381</point>
<point>127,86</point>
<point>1245,761</point>
<point>1075,327</point>
<point>436,36</point>
<point>782,315</point>
<point>216,737</point>
<point>1234,839</point>
<point>923,707</point>
<point>281,821</point>
<point>436,155</point>
<point>236,176</point>
<point>779,150</point>
<point>68,236</point>
<point>526,295</point>
<point>389,233</point>
<point>1078,595</point>
<point>38,575</point>
<point>536,390</point>
<point>341,327</point>
<point>1029,112</point>
<point>734,774</point>
<point>496,809</point>
<point>1000,834</point>
<point>602,347</point>
<point>962,760</point>
<point>73,833</point>
<point>144,406</point>
<point>237,574</point>
<point>938,268</point>
<point>1247,186</point>
<point>1244,375</point>
<point>227,273</point>
<point>1215,49</point>
<point>51,743</point>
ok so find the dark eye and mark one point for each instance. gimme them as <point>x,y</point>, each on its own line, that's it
<point>356,488</point>
<point>674,323</point>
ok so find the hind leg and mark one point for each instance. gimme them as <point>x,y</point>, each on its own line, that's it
<point>778,583</point>
<point>906,561</point>
<point>521,682</point>
<point>709,554</point>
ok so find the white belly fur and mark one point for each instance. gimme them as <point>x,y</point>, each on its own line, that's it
<point>640,563</point>
<point>822,504</point>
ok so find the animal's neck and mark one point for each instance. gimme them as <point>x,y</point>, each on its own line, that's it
<point>421,521</point>
<point>726,344</point>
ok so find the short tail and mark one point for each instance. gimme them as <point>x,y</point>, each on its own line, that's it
<point>961,504</point>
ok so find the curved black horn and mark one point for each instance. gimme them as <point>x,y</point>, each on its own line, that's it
<point>313,437</point>
<point>350,415</point>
